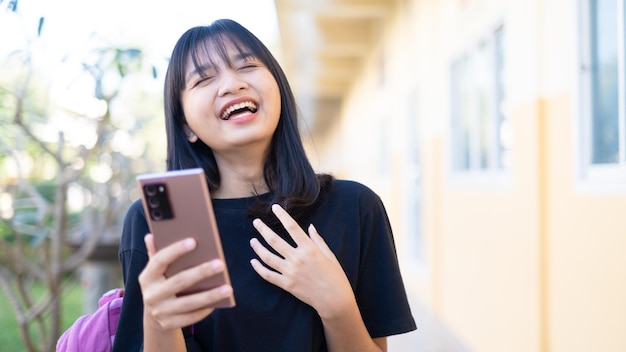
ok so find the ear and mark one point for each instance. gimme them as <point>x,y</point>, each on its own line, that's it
<point>191,137</point>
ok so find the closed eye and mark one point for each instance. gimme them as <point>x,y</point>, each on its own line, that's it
<point>249,66</point>
<point>203,80</point>
<point>248,62</point>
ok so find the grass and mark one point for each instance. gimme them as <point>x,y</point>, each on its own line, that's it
<point>71,305</point>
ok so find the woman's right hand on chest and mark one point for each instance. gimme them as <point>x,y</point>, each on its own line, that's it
<point>162,308</point>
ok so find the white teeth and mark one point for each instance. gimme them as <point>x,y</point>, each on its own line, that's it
<point>246,104</point>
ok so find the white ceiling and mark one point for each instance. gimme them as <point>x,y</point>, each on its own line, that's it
<point>324,43</point>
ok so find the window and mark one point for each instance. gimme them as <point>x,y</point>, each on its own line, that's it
<point>480,133</point>
<point>603,92</point>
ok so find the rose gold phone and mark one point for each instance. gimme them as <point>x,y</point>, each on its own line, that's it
<point>178,206</point>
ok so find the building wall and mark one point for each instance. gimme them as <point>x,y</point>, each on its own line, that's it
<point>586,268</point>
<point>533,264</point>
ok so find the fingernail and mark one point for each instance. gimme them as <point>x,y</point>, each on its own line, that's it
<point>216,265</point>
<point>189,243</point>
<point>225,290</point>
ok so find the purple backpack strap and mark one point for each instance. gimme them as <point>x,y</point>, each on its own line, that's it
<point>94,332</point>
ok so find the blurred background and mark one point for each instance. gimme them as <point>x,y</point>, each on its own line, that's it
<point>494,130</point>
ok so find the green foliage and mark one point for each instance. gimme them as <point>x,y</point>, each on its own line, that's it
<point>71,302</point>
<point>11,5</point>
<point>40,26</point>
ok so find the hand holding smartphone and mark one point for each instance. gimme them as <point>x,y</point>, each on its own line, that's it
<point>177,206</point>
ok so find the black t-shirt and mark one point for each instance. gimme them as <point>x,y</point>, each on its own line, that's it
<point>353,222</point>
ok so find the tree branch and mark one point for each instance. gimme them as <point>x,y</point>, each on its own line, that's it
<point>20,260</point>
<point>5,278</point>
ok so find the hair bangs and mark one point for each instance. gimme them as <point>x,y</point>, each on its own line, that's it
<point>214,48</point>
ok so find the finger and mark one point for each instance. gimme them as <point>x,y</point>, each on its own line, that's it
<point>267,274</point>
<point>273,261</point>
<point>292,227</point>
<point>189,309</point>
<point>319,242</point>
<point>184,319</point>
<point>177,283</point>
<point>273,240</point>
<point>181,320</point>
<point>149,240</point>
<point>187,278</point>
<point>160,260</point>
<point>193,302</point>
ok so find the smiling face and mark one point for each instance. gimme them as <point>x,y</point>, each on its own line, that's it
<point>230,100</point>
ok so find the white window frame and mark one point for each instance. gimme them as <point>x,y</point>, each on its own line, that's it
<point>494,176</point>
<point>598,178</point>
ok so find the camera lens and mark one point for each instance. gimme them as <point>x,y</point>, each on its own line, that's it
<point>151,190</point>
<point>157,214</point>
<point>154,202</point>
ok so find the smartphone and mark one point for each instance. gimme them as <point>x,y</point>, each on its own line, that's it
<point>177,206</point>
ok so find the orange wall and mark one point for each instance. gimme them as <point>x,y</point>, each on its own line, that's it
<point>586,246</point>
<point>489,253</point>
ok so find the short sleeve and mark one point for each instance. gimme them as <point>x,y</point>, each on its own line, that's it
<point>380,290</point>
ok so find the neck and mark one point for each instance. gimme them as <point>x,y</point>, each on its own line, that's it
<point>240,177</point>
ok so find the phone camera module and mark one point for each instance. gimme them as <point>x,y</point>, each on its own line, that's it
<point>158,201</point>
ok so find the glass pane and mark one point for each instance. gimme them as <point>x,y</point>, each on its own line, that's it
<point>622,94</point>
<point>482,81</point>
<point>504,134</point>
<point>605,132</point>
<point>460,113</point>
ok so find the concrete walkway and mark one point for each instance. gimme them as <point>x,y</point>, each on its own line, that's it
<point>430,336</point>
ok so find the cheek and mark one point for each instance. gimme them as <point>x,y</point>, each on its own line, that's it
<point>195,106</point>
<point>276,100</point>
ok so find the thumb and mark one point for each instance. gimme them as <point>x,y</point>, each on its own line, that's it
<point>149,240</point>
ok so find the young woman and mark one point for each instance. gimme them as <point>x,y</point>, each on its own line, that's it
<point>311,259</point>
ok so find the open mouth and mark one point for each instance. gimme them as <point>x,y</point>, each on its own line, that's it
<point>240,108</point>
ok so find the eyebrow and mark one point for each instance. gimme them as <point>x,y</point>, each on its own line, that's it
<point>197,71</point>
<point>243,56</point>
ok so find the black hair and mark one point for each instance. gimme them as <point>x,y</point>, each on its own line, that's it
<point>287,171</point>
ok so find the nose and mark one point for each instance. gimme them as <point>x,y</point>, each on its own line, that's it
<point>231,82</point>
